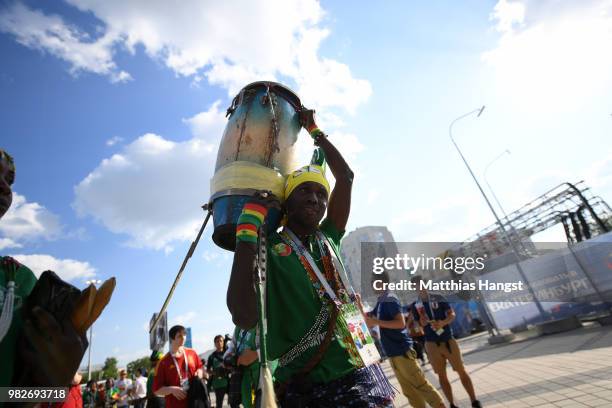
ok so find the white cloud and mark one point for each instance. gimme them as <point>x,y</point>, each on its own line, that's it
<point>49,33</point>
<point>28,221</point>
<point>229,43</point>
<point>153,188</point>
<point>599,174</point>
<point>348,144</point>
<point>67,269</point>
<point>183,319</point>
<point>552,54</point>
<point>114,140</point>
<point>208,126</point>
<point>372,196</point>
<point>210,256</point>
<point>8,243</point>
<point>446,221</point>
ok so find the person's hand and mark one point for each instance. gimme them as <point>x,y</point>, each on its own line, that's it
<point>266,199</point>
<point>178,393</point>
<point>370,322</point>
<point>437,324</point>
<point>307,118</point>
<point>358,302</point>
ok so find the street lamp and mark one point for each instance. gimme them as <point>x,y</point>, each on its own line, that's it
<point>512,230</point>
<point>94,282</point>
<point>488,185</point>
<point>501,225</point>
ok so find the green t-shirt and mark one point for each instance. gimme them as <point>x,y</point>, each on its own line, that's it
<point>293,306</point>
<point>215,360</point>
<point>24,283</point>
<point>150,380</point>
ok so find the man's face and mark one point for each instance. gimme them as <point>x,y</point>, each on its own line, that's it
<point>179,339</point>
<point>219,344</point>
<point>7,176</point>
<point>307,204</point>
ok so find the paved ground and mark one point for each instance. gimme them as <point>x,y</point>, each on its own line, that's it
<point>571,370</point>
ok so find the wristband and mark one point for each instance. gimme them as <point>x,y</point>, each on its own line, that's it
<point>251,218</point>
<point>315,132</point>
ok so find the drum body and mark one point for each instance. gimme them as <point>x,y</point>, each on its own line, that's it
<point>256,153</point>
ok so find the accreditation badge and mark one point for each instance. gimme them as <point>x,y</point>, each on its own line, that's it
<point>359,335</point>
<point>185,384</point>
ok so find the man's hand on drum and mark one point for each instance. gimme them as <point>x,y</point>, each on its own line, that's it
<point>307,118</point>
<point>267,199</point>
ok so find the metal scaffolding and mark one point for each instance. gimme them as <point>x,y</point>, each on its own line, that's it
<point>582,214</point>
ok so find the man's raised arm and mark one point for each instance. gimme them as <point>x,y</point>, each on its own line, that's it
<point>340,198</point>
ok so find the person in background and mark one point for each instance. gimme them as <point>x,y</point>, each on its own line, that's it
<point>176,369</point>
<point>101,394</point>
<point>217,371</point>
<point>435,316</point>
<point>398,347</point>
<point>91,396</point>
<point>74,399</point>
<point>416,333</point>
<point>124,384</point>
<point>153,401</point>
<point>110,389</point>
<point>140,388</point>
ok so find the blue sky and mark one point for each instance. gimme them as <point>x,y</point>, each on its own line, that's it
<point>113,112</point>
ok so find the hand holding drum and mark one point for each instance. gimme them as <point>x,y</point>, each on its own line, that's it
<point>266,199</point>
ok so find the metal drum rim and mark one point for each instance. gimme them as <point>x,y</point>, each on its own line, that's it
<point>296,104</point>
<point>233,192</point>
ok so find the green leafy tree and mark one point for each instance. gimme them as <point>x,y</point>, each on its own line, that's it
<point>133,366</point>
<point>110,368</point>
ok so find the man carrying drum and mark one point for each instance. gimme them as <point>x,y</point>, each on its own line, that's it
<point>306,297</point>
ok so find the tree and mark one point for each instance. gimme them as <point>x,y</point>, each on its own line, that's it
<point>133,366</point>
<point>110,368</point>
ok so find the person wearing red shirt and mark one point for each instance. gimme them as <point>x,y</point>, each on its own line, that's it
<point>74,398</point>
<point>174,373</point>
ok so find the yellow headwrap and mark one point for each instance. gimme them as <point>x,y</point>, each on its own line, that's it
<point>311,172</point>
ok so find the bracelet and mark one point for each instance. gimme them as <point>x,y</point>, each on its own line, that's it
<point>315,132</point>
<point>251,218</point>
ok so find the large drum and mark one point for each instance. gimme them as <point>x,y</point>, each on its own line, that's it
<point>256,153</point>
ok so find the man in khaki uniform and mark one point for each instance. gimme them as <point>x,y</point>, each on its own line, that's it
<point>399,347</point>
<point>435,315</point>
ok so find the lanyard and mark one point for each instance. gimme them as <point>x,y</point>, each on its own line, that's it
<point>339,268</point>
<point>299,248</point>
<point>433,316</point>
<point>178,370</point>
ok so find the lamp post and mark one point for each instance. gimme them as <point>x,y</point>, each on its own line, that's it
<point>501,225</point>
<point>513,231</point>
<point>489,186</point>
<point>94,282</point>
